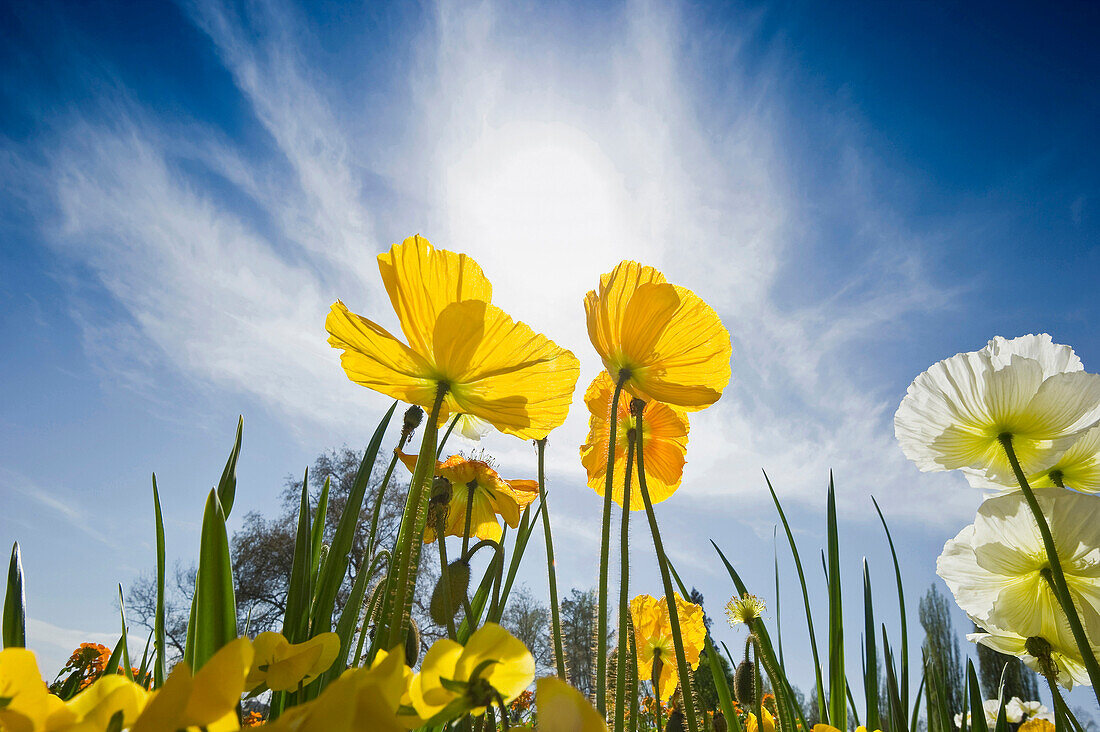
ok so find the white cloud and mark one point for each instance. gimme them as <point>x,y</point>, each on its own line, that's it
<point>548,165</point>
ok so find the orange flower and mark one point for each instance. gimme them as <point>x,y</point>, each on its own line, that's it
<point>668,343</point>
<point>489,365</point>
<point>491,495</point>
<point>664,437</point>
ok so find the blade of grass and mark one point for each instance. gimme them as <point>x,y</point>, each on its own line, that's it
<point>870,674</point>
<point>111,668</point>
<point>838,706</point>
<point>127,670</point>
<point>331,575</point>
<point>904,653</point>
<point>296,616</point>
<point>227,486</point>
<point>160,665</point>
<point>916,702</point>
<point>318,536</point>
<point>822,709</point>
<point>523,535</point>
<point>974,692</point>
<point>215,606</point>
<point>15,603</point>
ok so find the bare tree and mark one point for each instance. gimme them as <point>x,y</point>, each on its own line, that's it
<point>529,620</point>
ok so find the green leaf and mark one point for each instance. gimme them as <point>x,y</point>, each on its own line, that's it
<point>523,535</point>
<point>127,669</point>
<point>904,691</point>
<point>349,617</point>
<point>318,535</point>
<point>296,617</point>
<point>977,709</point>
<point>870,673</point>
<point>227,486</point>
<point>160,666</point>
<point>116,656</point>
<point>822,709</point>
<point>331,575</point>
<point>215,606</point>
<point>15,603</point>
<point>838,705</point>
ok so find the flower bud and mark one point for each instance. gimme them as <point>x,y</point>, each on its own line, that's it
<point>414,415</point>
<point>412,644</point>
<point>440,503</point>
<point>744,685</point>
<point>458,579</point>
<point>676,722</point>
<point>719,722</point>
<point>637,406</point>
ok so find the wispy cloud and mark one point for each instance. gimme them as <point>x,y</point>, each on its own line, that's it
<point>60,503</point>
<point>548,160</point>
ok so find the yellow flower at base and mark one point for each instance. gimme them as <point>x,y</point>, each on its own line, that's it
<point>664,437</point>
<point>653,638</point>
<point>1036,725</point>
<point>492,496</point>
<point>92,709</point>
<point>29,704</point>
<point>670,343</point>
<point>283,665</point>
<point>561,708</point>
<point>491,366</point>
<point>751,725</point>
<point>359,699</point>
<point>207,699</point>
<point>492,662</point>
<point>828,728</point>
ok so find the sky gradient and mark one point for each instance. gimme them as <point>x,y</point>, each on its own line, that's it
<point>859,189</point>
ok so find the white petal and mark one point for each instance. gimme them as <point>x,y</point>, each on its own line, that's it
<point>1053,357</point>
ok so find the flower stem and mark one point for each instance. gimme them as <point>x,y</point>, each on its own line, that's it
<point>633,726</point>
<point>412,522</point>
<point>443,574</point>
<point>470,488</point>
<point>670,596</point>
<point>551,571</point>
<point>624,599</point>
<point>605,549</point>
<point>1059,584</point>
<point>450,428</point>
<point>376,511</point>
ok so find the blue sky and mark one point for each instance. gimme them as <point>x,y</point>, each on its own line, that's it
<point>859,189</point>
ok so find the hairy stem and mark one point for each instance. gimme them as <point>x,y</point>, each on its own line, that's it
<point>624,597</point>
<point>551,571</point>
<point>605,550</point>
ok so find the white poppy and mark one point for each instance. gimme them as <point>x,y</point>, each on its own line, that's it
<point>993,567</point>
<point>1077,468</point>
<point>1069,667</point>
<point>954,414</point>
<point>1014,710</point>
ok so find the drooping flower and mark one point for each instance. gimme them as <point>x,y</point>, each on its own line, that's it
<point>955,414</point>
<point>744,609</point>
<point>668,343</point>
<point>283,665</point>
<point>468,678</point>
<point>653,638</point>
<point>492,496</point>
<point>664,436</point>
<point>995,566</point>
<point>490,366</point>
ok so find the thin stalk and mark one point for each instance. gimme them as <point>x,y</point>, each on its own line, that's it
<point>551,571</point>
<point>470,488</point>
<point>444,574</point>
<point>605,549</point>
<point>1059,584</point>
<point>624,597</point>
<point>408,533</point>
<point>632,645</point>
<point>450,428</point>
<point>666,579</point>
<point>376,511</point>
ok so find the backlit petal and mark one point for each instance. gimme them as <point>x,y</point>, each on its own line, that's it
<point>562,708</point>
<point>421,281</point>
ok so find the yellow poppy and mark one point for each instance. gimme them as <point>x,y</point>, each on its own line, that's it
<point>359,699</point>
<point>1036,725</point>
<point>664,436</point>
<point>29,705</point>
<point>669,344</point>
<point>653,637</point>
<point>751,724</point>
<point>491,366</point>
<point>829,728</point>
<point>207,699</point>
<point>492,496</point>
<point>561,708</point>
<point>92,709</point>
<point>493,661</point>
<point>283,665</point>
